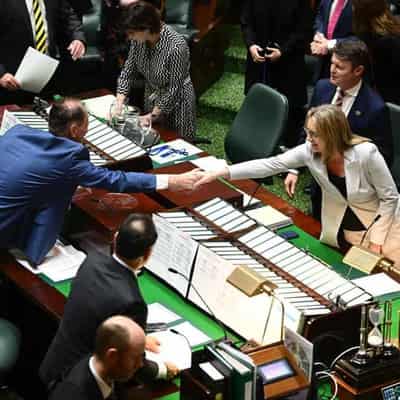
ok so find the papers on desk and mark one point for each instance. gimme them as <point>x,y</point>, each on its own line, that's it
<point>210,163</point>
<point>172,151</point>
<point>158,313</point>
<point>270,217</point>
<point>173,249</point>
<point>174,348</point>
<point>378,284</point>
<point>100,106</point>
<point>35,70</point>
<point>194,336</point>
<point>9,120</point>
<point>61,263</point>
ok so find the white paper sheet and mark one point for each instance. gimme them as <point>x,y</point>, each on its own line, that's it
<point>35,70</point>
<point>9,120</point>
<point>173,151</point>
<point>157,313</point>
<point>194,335</point>
<point>210,163</point>
<point>378,284</point>
<point>173,348</point>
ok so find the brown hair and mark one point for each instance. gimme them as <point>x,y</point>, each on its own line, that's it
<point>374,16</point>
<point>332,127</point>
<point>352,50</point>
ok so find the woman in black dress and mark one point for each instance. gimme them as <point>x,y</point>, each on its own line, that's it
<point>284,27</point>
<point>374,23</point>
<point>162,56</point>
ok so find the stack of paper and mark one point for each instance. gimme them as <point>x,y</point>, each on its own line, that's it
<point>100,106</point>
<point>270,217</point>
<point>60,264</point>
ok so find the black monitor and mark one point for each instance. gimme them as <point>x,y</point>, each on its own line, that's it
<point>276,370</point>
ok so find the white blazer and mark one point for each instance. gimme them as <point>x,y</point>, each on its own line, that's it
<point>371,190</point>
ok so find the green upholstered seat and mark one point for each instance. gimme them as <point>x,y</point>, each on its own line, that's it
<point>394,112</point>
<point>258,126</point>
<point>9,345</point>
<point>178,14</point>
<point>91,24</point>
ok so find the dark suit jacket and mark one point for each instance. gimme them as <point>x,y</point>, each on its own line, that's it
<point>288,23</point>
<point>79,384</point>
<point>102,288</point>
<point>39,173</point>
<point>343,30</point>
<point>16,30</point>
<point>368,116</point>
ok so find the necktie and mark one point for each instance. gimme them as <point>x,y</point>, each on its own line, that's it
<point>39,28</point>
<point>334,18</point>
<point>339,98</point>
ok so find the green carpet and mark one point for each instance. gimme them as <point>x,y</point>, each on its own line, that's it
<point>218,106</point>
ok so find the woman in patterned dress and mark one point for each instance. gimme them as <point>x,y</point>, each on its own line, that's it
<point>162,56</point>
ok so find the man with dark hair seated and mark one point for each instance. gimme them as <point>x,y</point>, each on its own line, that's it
<point>117,355</point>
<point>39,172</point>
<point>105,286</point>
<point>364,108</point>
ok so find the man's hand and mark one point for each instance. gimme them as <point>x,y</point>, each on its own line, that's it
<point>77,49</point>
<point>8,81</point>
<point>184,181</point>
<point>376,248</point>
<point>274,55</point>
<point>254,52</point>
<point>172,370</point>
<point>319,46</point>
<point>290,183</point>
<point>152,344</point>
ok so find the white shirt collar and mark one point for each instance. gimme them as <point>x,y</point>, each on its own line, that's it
<point>352,91</point>
<point>123,263</point>
<point>104,387</point>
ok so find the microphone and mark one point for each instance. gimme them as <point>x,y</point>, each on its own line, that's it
<point>374,221</point>
<point>174,271</point>
<point>249,206</point>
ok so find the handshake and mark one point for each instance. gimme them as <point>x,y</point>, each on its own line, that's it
<point>194,179</point>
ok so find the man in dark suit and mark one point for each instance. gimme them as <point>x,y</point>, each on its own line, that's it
<point>364,108</point>
<point>118,354</point>
<point>51,26</point>
<point>39,172</point>
<point>332,24</point>
<point>105,286</point>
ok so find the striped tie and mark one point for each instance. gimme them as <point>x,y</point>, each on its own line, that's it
<point>40,31</point>
<point>339,98</point>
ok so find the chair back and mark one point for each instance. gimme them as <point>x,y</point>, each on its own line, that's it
<point>258,126</point>
<point>394,112</point>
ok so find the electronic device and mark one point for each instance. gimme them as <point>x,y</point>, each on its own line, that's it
<point>391,392</point>
<point>289,235</point>
<point>275,370</point>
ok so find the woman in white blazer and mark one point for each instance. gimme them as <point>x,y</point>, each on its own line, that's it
<point>357,187</point>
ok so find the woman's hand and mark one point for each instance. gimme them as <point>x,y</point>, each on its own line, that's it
<point>254,52</point>
<point>376,248</point>
<point>290,183</point>
<point>274,54</point>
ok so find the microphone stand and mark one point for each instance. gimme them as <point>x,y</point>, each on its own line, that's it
<point>225,339</point>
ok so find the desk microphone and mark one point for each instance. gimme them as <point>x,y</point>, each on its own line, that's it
<point>174,271</point>
<point>374,221</point>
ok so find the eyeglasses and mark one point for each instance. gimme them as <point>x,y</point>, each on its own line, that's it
<point>311,133</point>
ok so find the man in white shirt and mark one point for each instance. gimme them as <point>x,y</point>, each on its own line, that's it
<point>118,354</point>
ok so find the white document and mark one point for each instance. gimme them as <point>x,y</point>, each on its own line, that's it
<point>9,120</point>
<point>209,163</point>
<point>100,106</point>
<point>377,284</point>
<point>194,335</point>
<point>61,263</point>
<point>173,151</point>
<point>245,315</point>
<point>173,348</point>
<point>35,70</point>
<point>173,249</point>
<point>158,313</point>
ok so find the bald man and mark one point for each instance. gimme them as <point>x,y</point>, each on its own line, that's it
<point>118,354</point>
<point>39,172</point>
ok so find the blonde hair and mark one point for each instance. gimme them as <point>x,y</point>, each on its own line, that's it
<point>332,127</point>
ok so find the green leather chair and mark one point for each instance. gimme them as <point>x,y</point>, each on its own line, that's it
<point>258,126</point>
<point>10,339</point>
<point>178,14</point>
<point>394,112</point>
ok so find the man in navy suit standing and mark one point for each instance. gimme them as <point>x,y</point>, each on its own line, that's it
<point>332,24</point>
<point>39,172</point>
<point>364,108</point>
